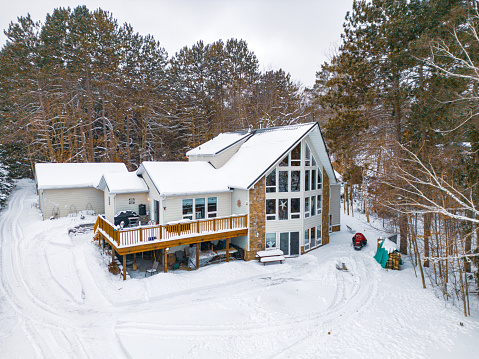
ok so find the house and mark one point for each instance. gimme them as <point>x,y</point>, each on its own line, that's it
<point>122,191</point>
<point>66,188</point>
<point>255,189</point>
<point>282,178</point>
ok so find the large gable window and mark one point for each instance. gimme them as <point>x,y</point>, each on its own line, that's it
<point>271,182</point>
<point>283,181</point>
<point>307,180</point>
<point>295,181</point>
<point>295,208</point>
<point>270,209</point>
<point>296,156</point>
<point>283,209</point>
<point>320,179</point>
<point>306,207</point>
<point>319,204</point>
<point>307,158</point>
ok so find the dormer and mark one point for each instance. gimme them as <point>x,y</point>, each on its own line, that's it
<point>220,149</point>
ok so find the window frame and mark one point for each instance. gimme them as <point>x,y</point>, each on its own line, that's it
<point>295,215</point>
<point>271,188</point>
<point>211,214</point>
<point>266,240</point>
<point>270,216</point>
<point>283,215</point>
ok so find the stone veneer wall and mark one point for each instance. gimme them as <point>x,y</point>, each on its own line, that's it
<point>325,210</point>
<point>257,218</point>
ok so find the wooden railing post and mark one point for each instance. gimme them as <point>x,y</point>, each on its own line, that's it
<point>161,232</point>
<point>231,223</point>
<point>141,235</point>
<point>214,224</point>
<point>179,229</point>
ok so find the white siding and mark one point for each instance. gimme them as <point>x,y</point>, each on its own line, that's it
<point>335,204</point>
<point>68,200</point>
<point>122,201</point>
<point>152,195</point>
<point>243,197</point>
<point>109,205</point>
<point>174,205</point>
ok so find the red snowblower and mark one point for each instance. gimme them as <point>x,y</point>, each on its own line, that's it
<point>359,241</point>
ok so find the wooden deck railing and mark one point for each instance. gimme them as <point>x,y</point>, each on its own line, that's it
<point>167,232</point>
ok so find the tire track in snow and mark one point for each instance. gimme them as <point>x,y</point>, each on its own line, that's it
<point>51,332</point>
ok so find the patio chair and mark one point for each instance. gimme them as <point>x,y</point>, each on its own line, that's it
<point>153,269</point>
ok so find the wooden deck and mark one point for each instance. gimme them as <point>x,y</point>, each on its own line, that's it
<point>148,238</point>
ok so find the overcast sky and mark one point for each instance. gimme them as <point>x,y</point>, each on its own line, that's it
<point>295,35</point>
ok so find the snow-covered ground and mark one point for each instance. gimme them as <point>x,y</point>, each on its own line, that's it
<point>57,300</point>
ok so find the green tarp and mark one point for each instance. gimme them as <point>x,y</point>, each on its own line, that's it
<point>382,255</point>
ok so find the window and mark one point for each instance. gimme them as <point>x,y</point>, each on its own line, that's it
<point>307,159</point>
<point>313,180</point>
<point>319,204</point>
<point>109,200</point>
<point>187,209</point>
<point>306,239</point>
<point>295,181</point>
<point>271,182</point>
<point>212,207</point>
<point>313,161</point>
<point>270,209</point>
<point>131,201</point>
<point>306,207</point>
<point>318,234</point>
<point>283,181</point>
<point>306,180</point>
<point>284,162</point>
<point>283,209</point>
<point>313,206</point>
<point>296,156</point>
<point>320,176</point>
<point>199,208</point>
<point>270,240</point>
<point>295,208</point>
<point>313,237</point>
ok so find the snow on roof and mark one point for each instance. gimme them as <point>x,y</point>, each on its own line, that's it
<point>123,183</point>
<point>218,144</point>
<point>181,178</point>
<point>260,152</point>
<point>73,175</point>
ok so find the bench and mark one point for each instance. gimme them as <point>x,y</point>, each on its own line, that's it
<point>265,260</point>
<point>273,255</point>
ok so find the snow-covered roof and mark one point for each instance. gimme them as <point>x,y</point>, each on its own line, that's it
<point>73,175</point>
<point>261,152</point>
<point>182,178</point>
<point>123,183</point>
<point>218,144</point>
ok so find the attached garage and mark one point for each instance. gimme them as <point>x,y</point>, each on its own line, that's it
<point>70,188</point>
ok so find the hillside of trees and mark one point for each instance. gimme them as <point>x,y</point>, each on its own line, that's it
<point>397,103</point>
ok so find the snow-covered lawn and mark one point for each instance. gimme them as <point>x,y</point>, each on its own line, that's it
<point>57,300</point>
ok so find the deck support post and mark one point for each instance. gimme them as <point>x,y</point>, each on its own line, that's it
<point>135,267</point>
<point>112,254</point>
<point>227,249</point>
<point>197,255</point>
<point>165,259</point>
<point>124,267</point>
